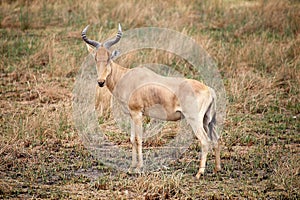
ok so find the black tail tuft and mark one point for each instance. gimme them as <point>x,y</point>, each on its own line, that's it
<point>210,121</point>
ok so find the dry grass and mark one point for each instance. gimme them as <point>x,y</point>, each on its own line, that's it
<point>256,44</point>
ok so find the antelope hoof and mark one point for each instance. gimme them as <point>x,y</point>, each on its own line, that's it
<point>217,169</point>
<point>139,170</point>
<point>131,170</point>
<point>198,175</point>
<point>135,170</point>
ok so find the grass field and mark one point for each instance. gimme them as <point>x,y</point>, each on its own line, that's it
<point>256,45</point>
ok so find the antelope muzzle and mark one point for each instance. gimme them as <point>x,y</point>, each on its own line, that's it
<point>101,83</point>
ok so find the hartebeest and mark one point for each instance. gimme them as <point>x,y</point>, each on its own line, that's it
<point>141,92</point>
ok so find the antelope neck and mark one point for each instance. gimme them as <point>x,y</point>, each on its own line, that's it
<point>117,72</point>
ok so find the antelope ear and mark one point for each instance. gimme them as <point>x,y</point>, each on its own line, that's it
<point>91,49</point>
<point>114,54</point>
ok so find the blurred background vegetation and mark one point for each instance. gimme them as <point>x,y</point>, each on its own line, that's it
<point>256,45</point>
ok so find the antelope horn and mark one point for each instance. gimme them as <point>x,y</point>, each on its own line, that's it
<point>91,42</point>
<point>111,42</point>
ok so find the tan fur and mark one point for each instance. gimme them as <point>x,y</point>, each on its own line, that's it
<point>141,92</point>
<point>155,101</point>
<point>103,101</point>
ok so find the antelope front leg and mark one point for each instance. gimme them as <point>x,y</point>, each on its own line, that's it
<point>139,140</point>
<point>136,140</point>
<point>134,147</point>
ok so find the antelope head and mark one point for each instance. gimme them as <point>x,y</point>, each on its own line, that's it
<point>102,55</point>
